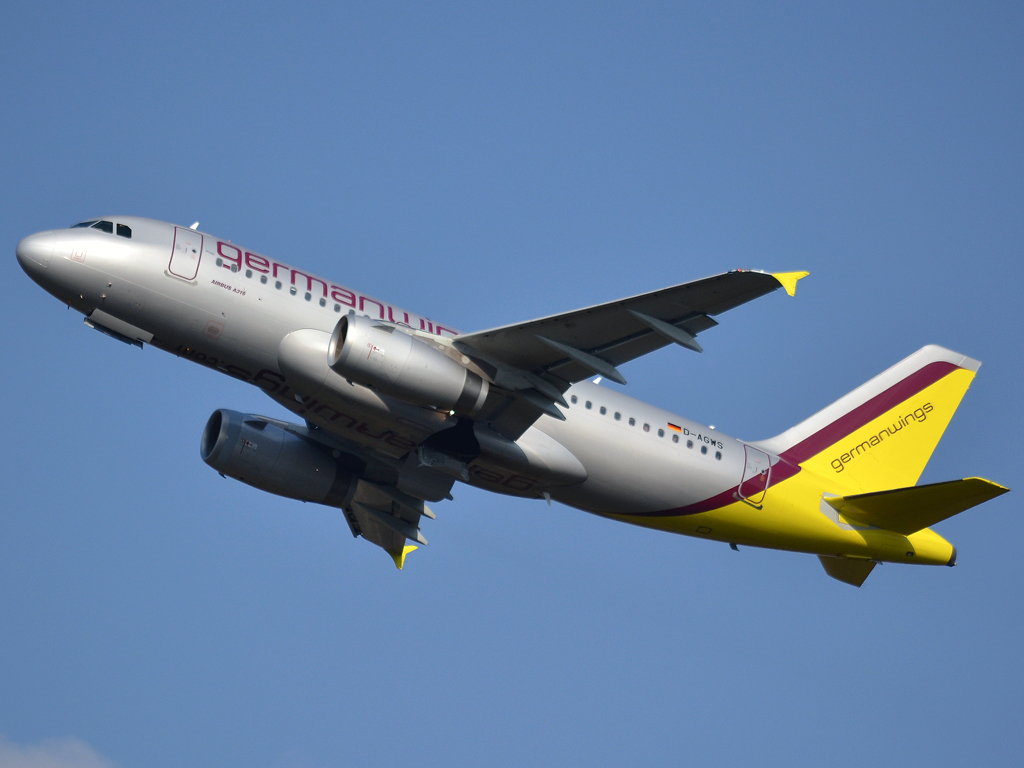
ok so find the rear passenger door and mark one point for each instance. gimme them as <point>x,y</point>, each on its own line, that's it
<point>757,473</point>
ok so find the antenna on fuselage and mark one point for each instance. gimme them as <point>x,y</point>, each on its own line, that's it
<point>193,227</point>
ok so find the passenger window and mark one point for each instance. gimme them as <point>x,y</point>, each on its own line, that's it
<point>292,290</point>
<point>220,262</point>
<point>675,438</point>
<point>632,421</point>
<point>573,399</point>
<point>618,416</point>
<point>718,455</point>
<point>323,302</point>
<point>337,307</point>
<point>689,443</point>
<point>589,405</point>
<point>123,231</point>
<point>263,279</point>
<point>278,285</point>
<point>248,273</point>
<point>647,427</point>
<point>308,295</point>
<point>234,267</point>
<point>104,226</point>
<point>661,433</point>
<point>603,410</point>
<point>704,449</point>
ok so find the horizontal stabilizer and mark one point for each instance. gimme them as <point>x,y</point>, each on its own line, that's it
<point>846,569</point>
<point>908,510</point>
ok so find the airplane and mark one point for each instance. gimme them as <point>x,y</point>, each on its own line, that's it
<point>395,408</point>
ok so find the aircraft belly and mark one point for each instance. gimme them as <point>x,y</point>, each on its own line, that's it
<point>532,465</point>
<point>223,340</point>
<point>366,427</point>
<point>791,519</point>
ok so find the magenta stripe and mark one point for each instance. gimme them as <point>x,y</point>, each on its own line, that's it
<point>780,471</point>
<point>845,425</point>
<point>850,422</point>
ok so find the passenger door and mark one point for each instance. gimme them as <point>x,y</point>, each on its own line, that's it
<point>757,474</point>
<point>186,252</point>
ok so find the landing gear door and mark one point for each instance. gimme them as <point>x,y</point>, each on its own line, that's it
<point>186,253</point>
<point>757,476</point>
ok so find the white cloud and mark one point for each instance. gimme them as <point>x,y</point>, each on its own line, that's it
<point>51,753</point>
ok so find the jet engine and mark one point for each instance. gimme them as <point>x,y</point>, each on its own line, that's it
<point>268,457</point>
<point>384,358</point>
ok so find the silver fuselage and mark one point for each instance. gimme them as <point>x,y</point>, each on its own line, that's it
<point>229,308</point>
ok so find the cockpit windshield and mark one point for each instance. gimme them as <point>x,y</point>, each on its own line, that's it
<point>105,226</point>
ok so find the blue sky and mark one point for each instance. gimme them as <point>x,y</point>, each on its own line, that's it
<point>482,164</point>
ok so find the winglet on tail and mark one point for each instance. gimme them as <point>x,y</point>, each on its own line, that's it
<point>881,435</point>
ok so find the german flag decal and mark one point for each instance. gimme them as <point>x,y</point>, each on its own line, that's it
<point>674,427</point>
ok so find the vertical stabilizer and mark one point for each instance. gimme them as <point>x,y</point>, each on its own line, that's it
<point>881,435</point>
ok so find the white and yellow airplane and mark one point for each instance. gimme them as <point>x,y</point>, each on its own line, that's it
<point>396,407</point>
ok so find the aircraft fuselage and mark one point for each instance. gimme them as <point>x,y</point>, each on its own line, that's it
<point>218,304</point>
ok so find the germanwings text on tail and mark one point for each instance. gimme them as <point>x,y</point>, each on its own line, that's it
<point>395,407</point>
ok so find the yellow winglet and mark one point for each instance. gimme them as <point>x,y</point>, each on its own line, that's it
<point>399,555</point>
<point>788,280</point>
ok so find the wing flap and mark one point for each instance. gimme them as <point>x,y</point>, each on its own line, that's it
<point>908,510</point>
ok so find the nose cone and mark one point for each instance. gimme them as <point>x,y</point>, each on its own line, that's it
<point>34,254</point>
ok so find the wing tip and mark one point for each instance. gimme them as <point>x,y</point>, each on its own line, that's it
<point>788,280</point>
<point>398,555</point>
<point>994,488</point>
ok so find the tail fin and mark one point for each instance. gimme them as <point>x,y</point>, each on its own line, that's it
<point>881,435</point>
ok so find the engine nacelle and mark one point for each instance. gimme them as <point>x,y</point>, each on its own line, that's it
<point>272,459</point>
<point>386,359</point>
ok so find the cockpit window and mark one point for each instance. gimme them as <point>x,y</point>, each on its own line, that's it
<point>123,231</point>
<point>104,226</point>
<point>88,223</point>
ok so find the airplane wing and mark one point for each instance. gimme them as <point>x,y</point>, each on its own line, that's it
<point>388,518</point>
<point>538,360</point>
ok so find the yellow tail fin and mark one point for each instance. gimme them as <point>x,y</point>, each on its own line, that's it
<point>881,435</point>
